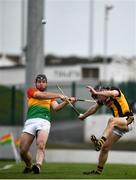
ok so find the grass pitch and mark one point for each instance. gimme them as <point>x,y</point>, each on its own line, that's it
<point>68,171</point>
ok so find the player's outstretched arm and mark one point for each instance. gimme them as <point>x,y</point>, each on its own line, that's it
<point>47,95</point>
<point>93,109</point>
<point>58,106</point>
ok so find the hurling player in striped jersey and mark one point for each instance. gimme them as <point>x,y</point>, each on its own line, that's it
<point>117,126</point>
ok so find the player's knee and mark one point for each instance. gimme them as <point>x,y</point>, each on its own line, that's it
<point>111,123</point>
<point>41,145</point>
<point>111,120</point>
<point>23,150</point>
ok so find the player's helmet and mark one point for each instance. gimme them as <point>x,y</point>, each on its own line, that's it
<point>100,88</point>
<point>97,88</point>
<point>41,77</point>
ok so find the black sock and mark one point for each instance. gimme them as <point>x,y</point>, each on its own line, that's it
<point>99,169</point>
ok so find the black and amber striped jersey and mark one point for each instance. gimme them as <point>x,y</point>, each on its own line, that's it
<point>118,105</point>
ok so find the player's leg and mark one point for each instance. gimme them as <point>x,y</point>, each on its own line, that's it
<point>25,143</point>
<point>41,140</point>
<point>112,139</point>
<point>99,142</point>
<point>119,122</point>
<point>104,154</point>
<point>108,130</point>
<point>42,132</point>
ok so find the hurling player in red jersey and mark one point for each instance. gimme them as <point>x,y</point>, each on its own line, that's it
<point>37,124</point>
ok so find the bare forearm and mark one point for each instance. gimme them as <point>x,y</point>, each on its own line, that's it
<point>47,95</point>
<point>61,106</point>
<point>89,112</point>
<point>108,93</point>
<point>103,93</point>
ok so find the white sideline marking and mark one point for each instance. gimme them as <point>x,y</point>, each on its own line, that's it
<point>8,166</point>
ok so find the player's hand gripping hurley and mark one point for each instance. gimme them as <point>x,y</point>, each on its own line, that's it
<point>76,111</point>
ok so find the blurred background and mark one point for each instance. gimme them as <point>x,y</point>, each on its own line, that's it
<point>84,42</point>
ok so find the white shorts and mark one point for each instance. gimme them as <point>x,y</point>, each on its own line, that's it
<point>121,132</point>
<point>31,126</point>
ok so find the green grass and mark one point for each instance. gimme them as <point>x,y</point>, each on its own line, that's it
<point>69,171</point>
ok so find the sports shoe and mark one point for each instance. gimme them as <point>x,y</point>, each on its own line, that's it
<point>27,170</point>
<point>96,143</point>
<point>94,172</point>
<point>36,169</point>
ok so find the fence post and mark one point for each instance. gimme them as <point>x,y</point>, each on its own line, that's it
<point>13,104</point>
<point>73,89</point>
<point>73,94</point>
